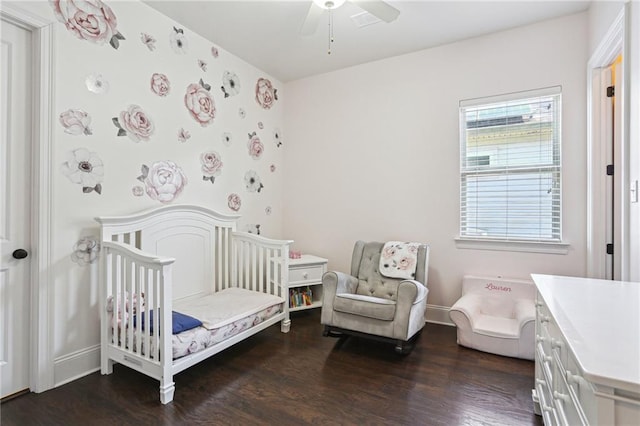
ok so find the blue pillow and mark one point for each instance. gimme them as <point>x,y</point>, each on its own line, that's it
<point>181,322</point>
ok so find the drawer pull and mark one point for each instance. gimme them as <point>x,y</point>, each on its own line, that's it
<point>556,344</point>
<point>548,358</point>
<point>547,408</point>
<point>545,318</point>
<point>541,382</point>
<point>540,339</point>
<point>539,304</point>
<point>573,378</point>
<point>563,396</point>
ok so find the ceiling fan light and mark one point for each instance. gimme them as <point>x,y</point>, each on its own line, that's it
<point>329,4</point>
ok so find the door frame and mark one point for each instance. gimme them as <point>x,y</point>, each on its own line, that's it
<point>614,43</point>
<point>41,370</point>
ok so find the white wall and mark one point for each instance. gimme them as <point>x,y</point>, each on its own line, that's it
<point>128,70</point>
<point>373,150</point>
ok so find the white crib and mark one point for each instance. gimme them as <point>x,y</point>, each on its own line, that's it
<point>179,253</point>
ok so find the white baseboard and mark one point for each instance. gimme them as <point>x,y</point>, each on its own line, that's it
<point>75,365</point>
<point>439,315</point>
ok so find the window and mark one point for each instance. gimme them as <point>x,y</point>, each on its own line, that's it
<point>510,167</point>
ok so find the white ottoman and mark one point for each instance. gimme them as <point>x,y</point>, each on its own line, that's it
<point>496,316</point>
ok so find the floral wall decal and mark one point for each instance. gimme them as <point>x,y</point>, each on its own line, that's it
<point>227,138</point>
<point>266,95</point>
<point>85,251</point>
<point>75,122</point>
<point>230,84</point>
<point>256,147</point>
<point>234,202</point>
<point>137,191</point>
<point>93,20</point>
<point>211,165</point>
<point>267,210</point>
<point>260,125</point>
<point>97,84</point>
<point>242,113</point>
<point>252,181</point>
<point>84,168</point>
<point>272,168</point>
<point>163,181</point>
<point>277,137</point>
<point>253,228</point>
<point>178,41</point>
<point>202,65</point>
<point>214,51</point>
<point>135,123</point>
<point>183,135</point>
<point>160,84</point>
<point>149,41</point>
<point>199,102</point>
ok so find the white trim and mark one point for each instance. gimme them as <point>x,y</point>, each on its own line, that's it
<point>77,364</point>
<point>41,374</point>
<point>504,245</point>
<point>612,44</point>
<point>534,93</point>
<point>439,315</point>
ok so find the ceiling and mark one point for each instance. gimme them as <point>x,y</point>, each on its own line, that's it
<point>267,33</point>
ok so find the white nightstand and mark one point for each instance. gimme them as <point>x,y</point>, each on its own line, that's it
<point>306,274</point>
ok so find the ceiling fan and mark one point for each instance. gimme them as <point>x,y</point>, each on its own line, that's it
<point>377,8</point>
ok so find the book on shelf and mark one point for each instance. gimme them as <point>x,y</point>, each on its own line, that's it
<point>300,296</point>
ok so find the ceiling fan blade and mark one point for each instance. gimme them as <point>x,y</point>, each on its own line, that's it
<point>312,20</point>
<point>379,9</point>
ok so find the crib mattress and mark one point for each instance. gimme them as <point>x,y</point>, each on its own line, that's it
<point>223,314</point>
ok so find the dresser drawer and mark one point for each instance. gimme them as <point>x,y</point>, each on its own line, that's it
<point>581,387</point>
<point>306,274</point>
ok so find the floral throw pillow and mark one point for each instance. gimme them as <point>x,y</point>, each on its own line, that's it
<point>399,259</point>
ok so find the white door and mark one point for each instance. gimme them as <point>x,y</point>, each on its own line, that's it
<point>15,159</point>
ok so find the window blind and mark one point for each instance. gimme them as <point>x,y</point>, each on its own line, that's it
<point>510,167</point>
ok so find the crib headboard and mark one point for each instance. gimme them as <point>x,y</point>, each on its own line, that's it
<point>197,237</point>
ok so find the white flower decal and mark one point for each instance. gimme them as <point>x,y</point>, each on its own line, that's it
<point>227,138</point>
<point>260,125</point>
<point>135,123</point>
<point>75,122</point>
<point>160,84</point>
<point>85,251</point>
<point>202,64</point>
<point>211,165</point>
<point>183,135</point>
<point>200,104</point>
<point>272,168</point>
<point>179,42</point>
<point>242,113</point>
<point>96,83</point>
<point>163,181</point>
<point>266,95</point>
<point>84,168</point>
<point>234,202</point>
<point>214,51</point>
<point>253,228</point>
<point>137,191</point>
<point>230,84</point>
<point>267,210</point>
<point>92,20</point>
<point>252,181</point>
<point>256,147</point>
<point>149,41</point>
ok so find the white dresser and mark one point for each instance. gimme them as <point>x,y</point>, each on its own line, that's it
<point>587,351</point>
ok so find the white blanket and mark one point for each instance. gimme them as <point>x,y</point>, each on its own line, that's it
<point>226,306</point>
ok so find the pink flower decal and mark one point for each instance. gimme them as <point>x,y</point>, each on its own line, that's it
<point>90,20</point>
<point>160,84</point>
<point>163,181</point>
<point>199,103</point>
<point>234,202</point>
<point>183,135</point>
<point>389,252</point>
<point>266,95</point>
<point>75,122</point>
<point>211,165</point>
<point>256,147</point>
<point>406,263</point>
<point>135,123</point>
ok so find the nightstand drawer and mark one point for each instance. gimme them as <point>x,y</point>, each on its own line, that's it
<point>306,274</point>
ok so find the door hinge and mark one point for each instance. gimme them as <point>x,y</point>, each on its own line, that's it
<point>609,248</point>
<point>609,169</point>
<point>611,91</point>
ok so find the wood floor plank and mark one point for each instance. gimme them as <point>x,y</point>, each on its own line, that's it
<point>303,378</point>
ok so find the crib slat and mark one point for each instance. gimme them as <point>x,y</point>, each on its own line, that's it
<point>253,262</point>
<point>261,277</point>
<point>146,291</point>
<point>156,306</point>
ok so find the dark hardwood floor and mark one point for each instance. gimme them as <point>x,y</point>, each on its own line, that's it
<point>303,378</point>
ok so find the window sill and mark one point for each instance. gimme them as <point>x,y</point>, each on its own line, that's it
<point>521,246</point>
